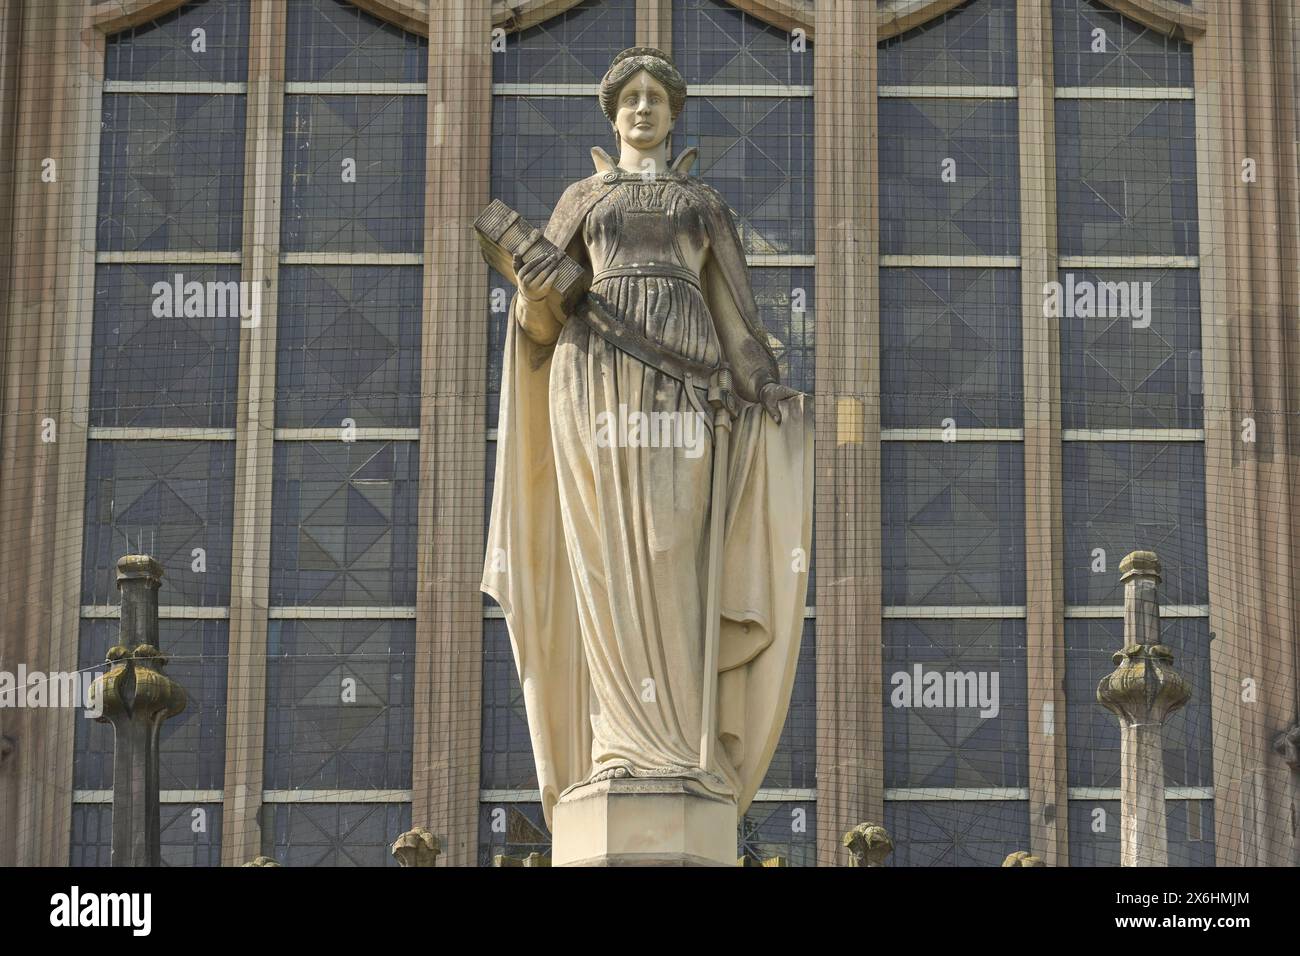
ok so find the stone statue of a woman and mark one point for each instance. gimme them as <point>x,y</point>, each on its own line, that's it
<point>598,550</point>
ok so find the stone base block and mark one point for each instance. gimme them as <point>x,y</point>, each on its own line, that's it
<point>655,821</point>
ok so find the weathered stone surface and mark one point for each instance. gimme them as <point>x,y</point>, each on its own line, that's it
<point>261,861</point>
<point>1022,858</point>
<point>416,847</point>
<point>634,821</point>
<point>869,843</point>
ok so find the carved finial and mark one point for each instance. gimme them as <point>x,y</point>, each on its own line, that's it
<point>261,861</point>
<point>1287,743</point>
<point>416,847</point>
<point>1144,688</point>
<point>869,843</point>
<point>1140,564</point>
<point>1023,858</point>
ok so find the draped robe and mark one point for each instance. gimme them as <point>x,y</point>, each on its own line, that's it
<point>598,553</point>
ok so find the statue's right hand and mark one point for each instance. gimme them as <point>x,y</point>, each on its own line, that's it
<point>536,279</point>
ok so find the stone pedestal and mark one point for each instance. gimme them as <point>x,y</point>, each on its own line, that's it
<point>661,821</point>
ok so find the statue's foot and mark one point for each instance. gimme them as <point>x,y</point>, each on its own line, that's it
<point>612,773</point>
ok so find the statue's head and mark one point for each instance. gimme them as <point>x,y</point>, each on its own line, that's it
<point>641,95</point>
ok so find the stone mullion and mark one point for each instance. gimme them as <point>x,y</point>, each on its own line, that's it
<point>1044,508</point>
<point>255,445</point>
<point>654,24</point>
<point>55,87</point>
<point>453,406</point>
<point>850,722</point>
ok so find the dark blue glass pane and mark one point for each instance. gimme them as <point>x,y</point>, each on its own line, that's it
<point>758,153</point>
<point>334,834</point>
<point>339,709</point>
<point>348,346</point>
<point>353,174</point>
<point>203,40</point>
<point>194,741</point>
<point>507,749</point>
<point>954,529</point>
<point>1131,496</point>
<point>715,43</point>
<point>1095,46</point>
<point>956,832</point>
<point>1126,177</point>
<point>174,500</point>
<point>794,764</point>
<point>971,45</point>
<point>950,348</point>
<point>190,834</point>
<point>335,42</point>
<point>964,722</point>
<point>1093,731</point>
<point>511,829</point>
<point>785,830</point>
<point>574,47</point>
<point>343,523</point>
<point>1130,348</point>
<point>1095,832</point>
<point>973,144</point>
<point>166,346</point>
<point>171,172</point>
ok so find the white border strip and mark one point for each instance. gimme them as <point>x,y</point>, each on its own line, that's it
<point>1113,793</point>
<point>779,259</point>
<point>336,796</point>
<point>905,794</point>
<point>1129,262</point>
<point>1084,611</point>
<point>947,92</point>
<point>493,612</point>
<point>896,612</point>
<point>1133,434</point>
<point>168,257</point>
<point>361,434</point>
<point>167,612</point>
<point>961,434</point>
<point>164,796</point>
<point>128,433</point>
<point>1125,93</point>
<point>345,613</point>
<point>313,88</point>
<point>950,262</point>
<point>351,259</point>
<point>173,86</point>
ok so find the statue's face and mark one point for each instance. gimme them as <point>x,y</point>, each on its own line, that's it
<point>644,117</point>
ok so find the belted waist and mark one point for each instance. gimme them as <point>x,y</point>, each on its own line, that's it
<point>660,270</point>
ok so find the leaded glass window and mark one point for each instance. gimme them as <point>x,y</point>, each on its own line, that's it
<point>193,750</point>
<point>977,212</point>
<point>1094,832</point>
<point>1093,731</point>
<point>1129,496</point>
<point>1095,46</point>
<point>343,523</point>
<point>190,834</point>
<point>956,832</point>
<point>572,47</point>
<point>955,695</point>
<point>973,44</point>
<point>333,834</point>
<point>339,704</point>
<point>715,43</point>
<point>169,498</point>
<point>953,523</point>
<point>950,348</point>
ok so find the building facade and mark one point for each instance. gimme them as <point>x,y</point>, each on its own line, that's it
<point>1037,260</point>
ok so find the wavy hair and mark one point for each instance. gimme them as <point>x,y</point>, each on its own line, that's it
<point>630,62</point>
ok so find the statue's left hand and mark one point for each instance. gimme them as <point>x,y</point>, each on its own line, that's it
<point>771,395</point>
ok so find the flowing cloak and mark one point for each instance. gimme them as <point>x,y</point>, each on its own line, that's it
<point>768,531</point>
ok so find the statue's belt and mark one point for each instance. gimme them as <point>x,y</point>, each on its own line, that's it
<point>710,380</point>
